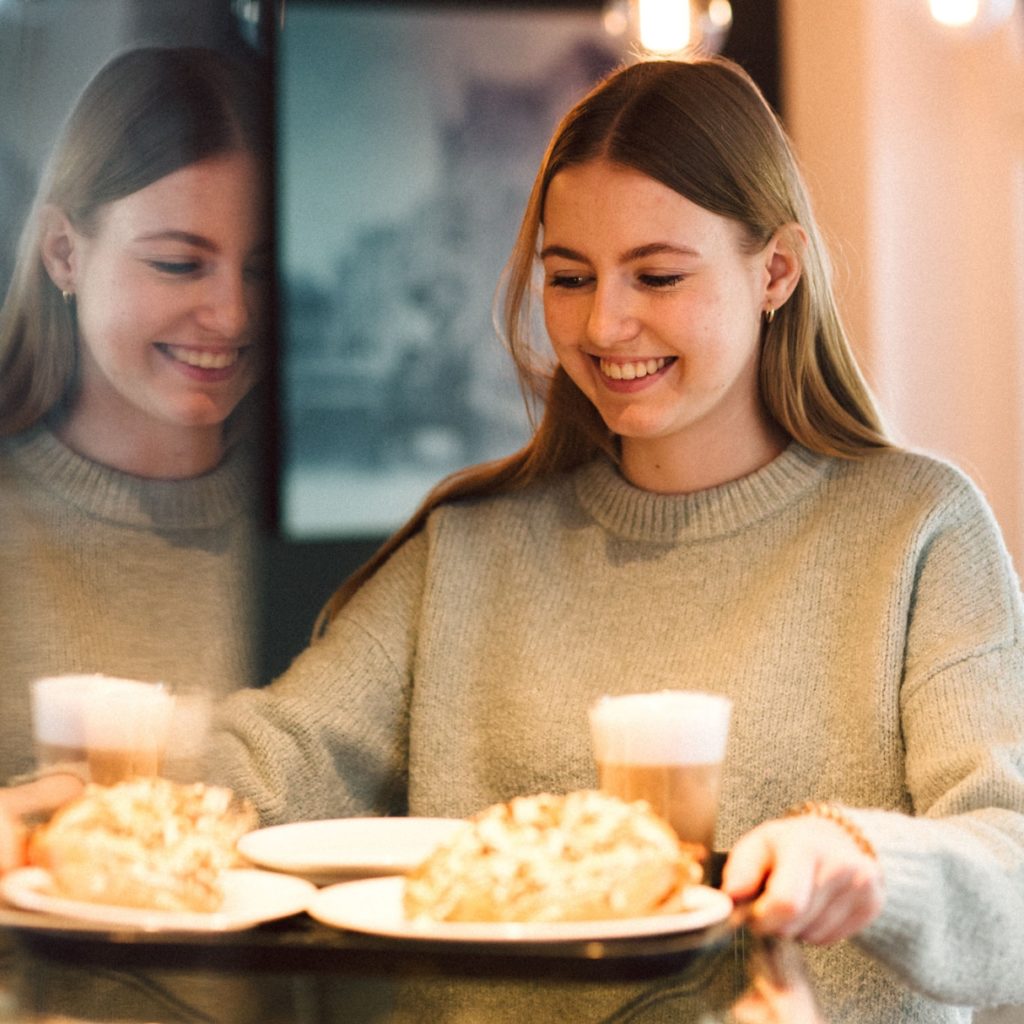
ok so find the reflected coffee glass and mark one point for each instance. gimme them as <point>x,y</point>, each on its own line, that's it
<point>666,748</point>
<point>57,728</point>
<point>116,727</point>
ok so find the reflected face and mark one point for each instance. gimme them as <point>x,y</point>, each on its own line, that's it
<point>169,293</point>
<point>653,306</point>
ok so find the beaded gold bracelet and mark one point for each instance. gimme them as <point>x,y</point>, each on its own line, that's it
<point>830,812</point>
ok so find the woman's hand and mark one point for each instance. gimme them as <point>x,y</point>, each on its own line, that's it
<point>808,880</point>
<point>40,797</point>
<point>12,840</point>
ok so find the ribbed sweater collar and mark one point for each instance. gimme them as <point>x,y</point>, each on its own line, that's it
<point>202,502</point>
<point>639,515</point>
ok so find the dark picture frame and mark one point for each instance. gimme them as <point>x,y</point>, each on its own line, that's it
<point>408,138</point>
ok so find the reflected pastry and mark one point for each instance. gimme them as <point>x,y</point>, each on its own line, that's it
<point>578,857</point>
<point>147,843</point>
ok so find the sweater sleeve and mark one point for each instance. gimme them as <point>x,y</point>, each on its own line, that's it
<point>953,921</point>
<point>329,737</point>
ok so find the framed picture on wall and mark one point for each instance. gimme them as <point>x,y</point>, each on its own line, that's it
<point>409,136</point>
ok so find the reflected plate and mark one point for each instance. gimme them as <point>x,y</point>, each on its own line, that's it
<point>250,898</point>
<point>374,906</point>
<point>346,848</point>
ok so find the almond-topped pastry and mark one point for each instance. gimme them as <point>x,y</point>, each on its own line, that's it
<point>579,857</point>
<point>147,843</point>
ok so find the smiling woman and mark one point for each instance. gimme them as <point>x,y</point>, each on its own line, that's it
<point>130,341</point>
<point>143,256</point>
<point>652,305</point>
<point>710,501</point>
<point>168,292</point>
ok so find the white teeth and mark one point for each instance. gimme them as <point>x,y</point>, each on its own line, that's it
<point>203,359</point>
<point>631,371</point>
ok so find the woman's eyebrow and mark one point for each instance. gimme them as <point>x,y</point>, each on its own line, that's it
<point>637,253</point>
<point>658,249</point>
<point>563,251</point>
<point>172,235</point>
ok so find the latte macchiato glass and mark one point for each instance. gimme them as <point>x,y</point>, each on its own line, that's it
<point>57,728</point>
<point>117,727</point>
<point>666,748</point>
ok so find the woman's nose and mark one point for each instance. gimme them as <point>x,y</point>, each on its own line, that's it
<point>225,310</point>
<point>611,319</point>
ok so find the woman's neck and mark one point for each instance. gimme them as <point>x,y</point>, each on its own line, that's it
<point>168,453</point>
<point>669,466</point>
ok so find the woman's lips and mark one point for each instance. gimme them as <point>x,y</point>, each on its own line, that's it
<point>632,370</point>
<point>203,358</point>
<point>206,364</point>
<point>631,374</point>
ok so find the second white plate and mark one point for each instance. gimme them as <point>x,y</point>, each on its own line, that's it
<point>374,906</point>
<point>250,898</point>
<point>346,848</point>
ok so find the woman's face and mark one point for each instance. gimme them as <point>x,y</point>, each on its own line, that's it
<point>653,306</point>
<point>169,292</point>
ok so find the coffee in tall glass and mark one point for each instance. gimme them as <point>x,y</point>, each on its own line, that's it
<point>666,748</point>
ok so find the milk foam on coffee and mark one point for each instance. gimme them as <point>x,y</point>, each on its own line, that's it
<point>666,727</point>
<point>57,720</point>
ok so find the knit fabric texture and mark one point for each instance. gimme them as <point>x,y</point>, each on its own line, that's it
<point>105,572</point>
<point>863,616</point>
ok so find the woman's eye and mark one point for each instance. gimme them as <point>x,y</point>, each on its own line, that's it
<point>568,280</point>
<point>177,268</point>
<point>660,280</point>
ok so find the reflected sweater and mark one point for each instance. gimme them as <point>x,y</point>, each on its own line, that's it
<point>105,572</point>
<point>862,615</point>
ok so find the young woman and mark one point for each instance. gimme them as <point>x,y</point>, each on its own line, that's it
<point>709,501</point>
<point>128,340</point>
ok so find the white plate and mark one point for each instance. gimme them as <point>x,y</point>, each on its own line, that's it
<point>250,897</point>
<point>346,848</point>
<point>375,906</point>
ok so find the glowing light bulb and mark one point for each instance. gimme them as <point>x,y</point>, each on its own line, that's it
<point>720,13</point>
<point>663,26</point>
<point>971,15</point>
<point>954,12</point>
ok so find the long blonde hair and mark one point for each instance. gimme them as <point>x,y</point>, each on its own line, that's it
<point>703,129</point>
<point>146,113</point>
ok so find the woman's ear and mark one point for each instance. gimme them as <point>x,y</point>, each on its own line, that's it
<point>57,239</point>
<point>784,264</point>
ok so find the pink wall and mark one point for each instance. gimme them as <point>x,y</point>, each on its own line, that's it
<point>912,138</point>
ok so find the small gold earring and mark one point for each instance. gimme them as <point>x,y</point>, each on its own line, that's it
<point>769,315</point>
<point>68,297</point>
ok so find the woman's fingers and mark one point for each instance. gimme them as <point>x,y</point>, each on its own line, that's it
<point>819,886</point>
<point>12,842</point>
<point>747,866</point>
<point>790,897</point>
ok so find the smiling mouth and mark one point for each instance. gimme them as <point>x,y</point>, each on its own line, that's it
<point>634,370</point>
<point>202,359</point>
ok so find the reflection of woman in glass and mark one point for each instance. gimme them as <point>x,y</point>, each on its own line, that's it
<point>709,502</point>
<point>128,340</point>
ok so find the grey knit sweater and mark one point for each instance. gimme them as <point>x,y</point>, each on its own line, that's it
<point>863,616</point>
<point>105,572</point>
